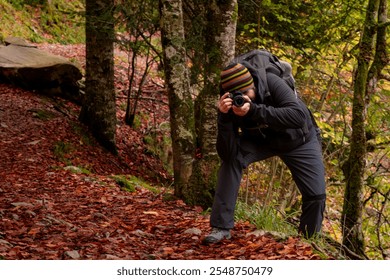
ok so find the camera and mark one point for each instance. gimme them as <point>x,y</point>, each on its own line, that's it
<point>238,98</point>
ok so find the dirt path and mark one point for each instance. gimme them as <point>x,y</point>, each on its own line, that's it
<point>48,212</point>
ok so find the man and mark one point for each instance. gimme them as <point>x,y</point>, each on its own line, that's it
<point>274,123</point>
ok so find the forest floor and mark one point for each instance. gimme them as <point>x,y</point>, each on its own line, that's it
<point>59,198</point>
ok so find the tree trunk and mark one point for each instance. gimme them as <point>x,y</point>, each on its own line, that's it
<point>381,58</point>
<point>219,45</point>
<point>98,111</point>
<point>194,130</point>
<point>355,165</point>
<point>179,93</point>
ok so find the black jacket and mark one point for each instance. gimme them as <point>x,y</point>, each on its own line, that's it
<point>278,120</point>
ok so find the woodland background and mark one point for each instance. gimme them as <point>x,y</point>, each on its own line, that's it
<point>321,40</point>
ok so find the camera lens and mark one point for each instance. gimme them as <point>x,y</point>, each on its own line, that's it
<point>238,101</point>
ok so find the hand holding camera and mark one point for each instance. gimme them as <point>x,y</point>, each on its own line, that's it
<point>237,101</point>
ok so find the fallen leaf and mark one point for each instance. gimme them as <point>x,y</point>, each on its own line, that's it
<point>150,213</point>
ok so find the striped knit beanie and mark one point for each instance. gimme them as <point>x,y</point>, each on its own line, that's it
<point>236,77</point>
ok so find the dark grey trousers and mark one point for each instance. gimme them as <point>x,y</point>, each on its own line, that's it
<point>306,165</point>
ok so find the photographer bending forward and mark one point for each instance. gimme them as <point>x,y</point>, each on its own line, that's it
<point>254,126</point>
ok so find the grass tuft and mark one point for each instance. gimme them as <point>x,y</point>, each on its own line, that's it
<point>264,217</point>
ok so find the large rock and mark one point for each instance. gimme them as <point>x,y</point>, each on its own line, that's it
<point>26,66</point>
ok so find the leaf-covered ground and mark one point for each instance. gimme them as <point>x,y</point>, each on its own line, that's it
<point>49,211</point>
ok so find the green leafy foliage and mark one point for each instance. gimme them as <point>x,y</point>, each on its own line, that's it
<point>300,24</point>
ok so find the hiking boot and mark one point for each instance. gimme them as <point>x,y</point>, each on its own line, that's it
<point>216,235</point>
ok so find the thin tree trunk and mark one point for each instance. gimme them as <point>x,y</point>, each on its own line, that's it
<point>98,111</point>
<point>355,166</point>
<point>381,58</point>
<point>179,93</point>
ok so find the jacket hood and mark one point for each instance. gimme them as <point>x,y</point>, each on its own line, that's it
<point>258,72</point>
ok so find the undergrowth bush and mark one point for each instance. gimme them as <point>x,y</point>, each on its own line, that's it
<point>40,21</point>
<point>264,217</point>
